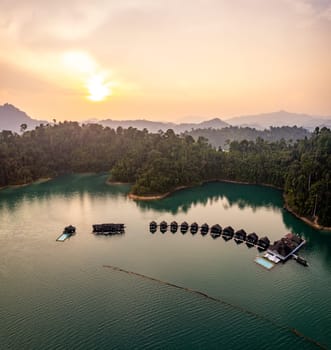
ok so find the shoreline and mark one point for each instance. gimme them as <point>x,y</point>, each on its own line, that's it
<point>179,188</point>
<point>38,181</point>
<point>312,224</point>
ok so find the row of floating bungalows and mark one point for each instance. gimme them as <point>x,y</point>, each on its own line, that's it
<point>216,231</point>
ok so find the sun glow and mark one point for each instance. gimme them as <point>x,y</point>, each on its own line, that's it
<point>98,88</point>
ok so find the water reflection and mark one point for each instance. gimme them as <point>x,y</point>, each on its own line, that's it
<point>65,186</point>
<point>231,194</point>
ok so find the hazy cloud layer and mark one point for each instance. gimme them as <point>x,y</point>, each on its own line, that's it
<point>172,58</point>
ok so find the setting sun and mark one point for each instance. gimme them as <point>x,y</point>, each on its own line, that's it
<point>98,88</point>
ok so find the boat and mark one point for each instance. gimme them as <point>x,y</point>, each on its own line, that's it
<point>67,233</point>
<point>301,261</point>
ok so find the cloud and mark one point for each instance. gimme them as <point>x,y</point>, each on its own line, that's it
<point>314,10</point>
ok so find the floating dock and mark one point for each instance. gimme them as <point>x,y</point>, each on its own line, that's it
<point>63,237</point>
<point>108,229</point>
<point>67,233</point>
<point>264,262</point>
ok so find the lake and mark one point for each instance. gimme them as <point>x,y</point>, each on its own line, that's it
<point>59,295</point>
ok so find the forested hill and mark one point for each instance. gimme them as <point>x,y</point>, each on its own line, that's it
<point>222,137</point>
<point>161,162</point>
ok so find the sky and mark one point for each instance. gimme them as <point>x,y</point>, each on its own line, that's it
<point>165,60</point>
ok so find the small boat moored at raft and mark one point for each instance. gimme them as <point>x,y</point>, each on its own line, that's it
<point>67,233</point>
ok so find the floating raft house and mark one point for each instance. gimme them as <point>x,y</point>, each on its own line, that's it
<point>285,248</point>
<point>67,233</point>
<point>108,229</point>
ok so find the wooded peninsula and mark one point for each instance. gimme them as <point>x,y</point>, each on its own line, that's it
<point>157,163</point>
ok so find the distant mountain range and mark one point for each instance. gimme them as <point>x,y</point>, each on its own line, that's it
<point>280,118</point>
<point>152,126</point>
<point>11,118</point>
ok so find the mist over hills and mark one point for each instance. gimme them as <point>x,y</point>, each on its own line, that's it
<point>153,126</point>
<point>11,118</point>
<point>280,118</point>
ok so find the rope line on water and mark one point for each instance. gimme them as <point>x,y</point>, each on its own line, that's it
<point>293,331</point>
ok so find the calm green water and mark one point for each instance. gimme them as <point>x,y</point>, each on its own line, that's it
<point>59,296</point>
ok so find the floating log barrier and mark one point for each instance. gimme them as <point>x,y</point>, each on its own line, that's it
<point>194,228</point>
<point>240,236</point>
<point>163,226</point>
<point>204,229</point>
<point>251,239</point>
<point>263,243</point>
<point>108,229</point>
<point>174,227</point>
<point>184,227</point>
<point>216,231</point>
<point>225,303</point>
<point>153,227</point>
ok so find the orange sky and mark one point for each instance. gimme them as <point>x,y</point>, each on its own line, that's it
<point>165,60</point>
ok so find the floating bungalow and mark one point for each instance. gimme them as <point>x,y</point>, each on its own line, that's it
<point>240,236</point>
<point>263,243</point>
<point>174,227</point>
<point>215,231</point>
<point>227,233</point>
<point>163,226</point>
<point>184,227</point>
<point>281,250</point>
<point>204,229</point>
<point>194,228</point>
<point>251,239</point>
<point>153,227</point>
<point>108,229</point>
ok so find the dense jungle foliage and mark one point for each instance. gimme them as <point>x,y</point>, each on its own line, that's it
<point>223,137</point>
<point>158,163</point>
